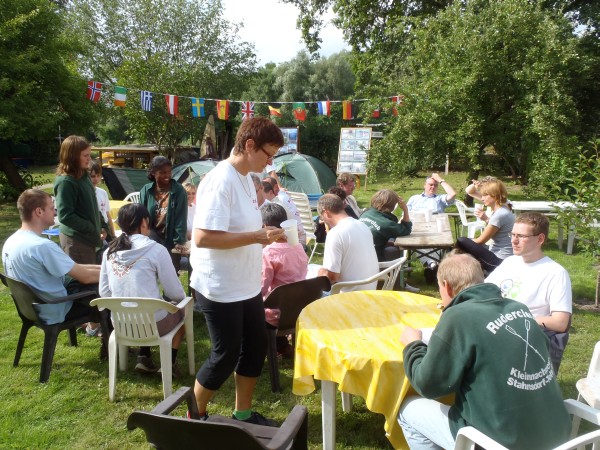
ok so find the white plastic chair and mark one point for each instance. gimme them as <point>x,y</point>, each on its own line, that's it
<point>301,201</point>
<point>468,437</point>
<point>133,197</point>
<point>388,275</point>
<point>470,227</point>
<point>135,326</point>
<point>589,387</point>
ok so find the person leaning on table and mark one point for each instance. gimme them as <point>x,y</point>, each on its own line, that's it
<point>490,353</point>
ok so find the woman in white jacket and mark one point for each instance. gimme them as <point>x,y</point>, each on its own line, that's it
<point>133,266</point>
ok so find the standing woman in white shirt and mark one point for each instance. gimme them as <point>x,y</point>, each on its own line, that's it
<point>226,259</point>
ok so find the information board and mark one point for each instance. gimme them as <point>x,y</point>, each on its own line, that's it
<point>355,144</point>
<point>290,141</point>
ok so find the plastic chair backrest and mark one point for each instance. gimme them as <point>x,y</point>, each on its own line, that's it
<point>24,298</point>
<point>390,277</point>
<point>462,212</point>
<point>594,368</point>
<point>301,201</point>
<point>383,275</point>
<point>291,298</point>
<point>133,318</point>
<point>133,197</point>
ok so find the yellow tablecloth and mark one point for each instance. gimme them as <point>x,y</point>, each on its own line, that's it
<point>353,339</point>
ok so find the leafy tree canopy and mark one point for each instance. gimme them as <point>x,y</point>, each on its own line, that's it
<point>179,47</point>
<point>488,76</point>
<point>39,84</point>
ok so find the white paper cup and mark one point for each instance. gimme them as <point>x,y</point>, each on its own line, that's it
<point>440,224</point>
<point>290,228</point>
<point>418,216</point>
<point>427,213</point>
<point>478,206</point>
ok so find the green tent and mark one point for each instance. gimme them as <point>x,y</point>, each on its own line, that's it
<point>298,172</point>
<point>193,171</point>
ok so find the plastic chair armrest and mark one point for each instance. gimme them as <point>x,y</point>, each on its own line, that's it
<point>77,296</point>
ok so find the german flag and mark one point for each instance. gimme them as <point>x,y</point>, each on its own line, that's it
<point>347,112</point>
<point>275,109</point>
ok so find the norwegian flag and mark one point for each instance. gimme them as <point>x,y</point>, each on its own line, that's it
<point>247,110</point>
<point>172,104</point>
<point>94,91</point>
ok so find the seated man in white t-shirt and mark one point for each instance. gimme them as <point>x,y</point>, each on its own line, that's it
<point>349,253</point>
<point>534,279</point>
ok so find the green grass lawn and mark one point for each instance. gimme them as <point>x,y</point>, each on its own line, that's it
<point>72,410</point>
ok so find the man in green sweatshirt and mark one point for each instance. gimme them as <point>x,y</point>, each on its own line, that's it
<point>491,354</point>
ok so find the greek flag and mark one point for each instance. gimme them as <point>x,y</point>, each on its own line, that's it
<point>146,99</point>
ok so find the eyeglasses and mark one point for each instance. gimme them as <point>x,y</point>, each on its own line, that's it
<point>269,156</point>
<point>519,237</point>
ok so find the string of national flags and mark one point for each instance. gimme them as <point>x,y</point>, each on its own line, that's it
<point>95,90</point>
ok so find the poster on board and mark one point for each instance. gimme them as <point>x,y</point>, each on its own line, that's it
<point>291,141</point>
<point>355,144</point>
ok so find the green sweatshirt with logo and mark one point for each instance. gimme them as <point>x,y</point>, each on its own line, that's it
<point>493,355</point>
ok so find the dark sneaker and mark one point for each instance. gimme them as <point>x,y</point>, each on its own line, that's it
<point>175,370</point>
<point>258,419</point>
<point>145,365</point>
<point>409,288</point>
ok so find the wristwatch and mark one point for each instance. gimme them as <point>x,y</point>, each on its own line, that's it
<point>442,181</point>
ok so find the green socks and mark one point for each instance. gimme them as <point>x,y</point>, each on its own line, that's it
<point>242,415</point>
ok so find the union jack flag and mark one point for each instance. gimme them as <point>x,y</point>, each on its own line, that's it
<point>247,110</point>
<point>94,91</point>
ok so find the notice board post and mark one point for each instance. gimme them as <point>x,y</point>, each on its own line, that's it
<point>355,144</point>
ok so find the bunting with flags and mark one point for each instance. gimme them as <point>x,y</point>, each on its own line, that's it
<point>146,100</point>
<point>197,107</point>
<point>300,111</point>
<point>247,110</point>
<point>172,104</point>
<point>324,108</point>
<point>94,91</point>
<point>347,110</point>
<point>223,109</point>
<point>275,109</point>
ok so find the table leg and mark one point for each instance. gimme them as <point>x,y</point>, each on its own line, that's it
<point>328,414</point>
<point>560,237</point>
<point>346,402</point>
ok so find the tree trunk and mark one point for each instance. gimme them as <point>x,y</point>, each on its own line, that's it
<point>12,173</point>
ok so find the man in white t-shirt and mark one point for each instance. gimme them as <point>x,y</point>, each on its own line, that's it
<point>534,279</point>
<point>349,251</point>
